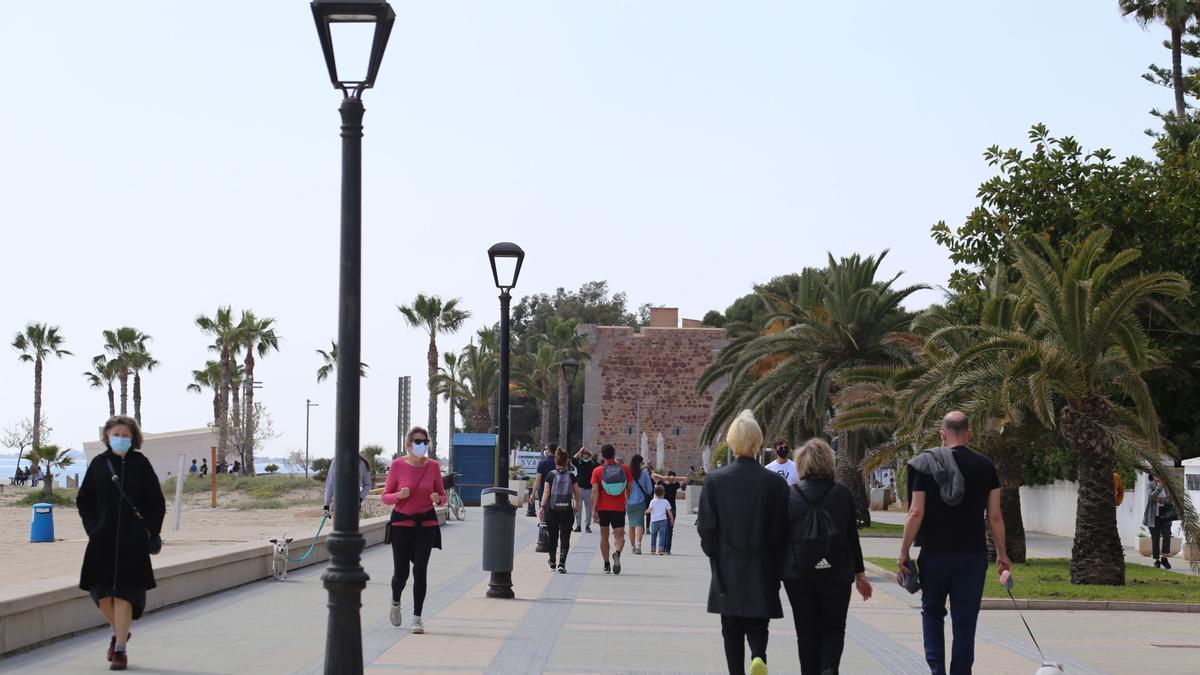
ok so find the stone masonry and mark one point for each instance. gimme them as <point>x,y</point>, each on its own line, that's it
<point>660,367</point>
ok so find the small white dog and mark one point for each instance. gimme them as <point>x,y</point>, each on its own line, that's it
<point>1049,669</point>
<point>279,558</point>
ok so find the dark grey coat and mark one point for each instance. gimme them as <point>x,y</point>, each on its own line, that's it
<point>743,527</point>
<point>117,555</point>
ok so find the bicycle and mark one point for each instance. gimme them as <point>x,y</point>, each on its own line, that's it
<point>454,500</point>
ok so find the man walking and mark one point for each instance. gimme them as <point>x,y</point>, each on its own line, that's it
<point>611,482</point>
<point>544,468</point>
<point>951,488</point>
<point>584,467</point>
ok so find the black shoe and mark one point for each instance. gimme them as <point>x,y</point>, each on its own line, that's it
<point>1157,563</point>
<point>1166,563</point>
<point>587,529</point>
<point>575,530</point>
<point>562,569</point>
<point>607,568</point>
<point>616,562</point>
<point>553,565</point>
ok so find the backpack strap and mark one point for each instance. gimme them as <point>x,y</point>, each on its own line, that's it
<point>117,482</point>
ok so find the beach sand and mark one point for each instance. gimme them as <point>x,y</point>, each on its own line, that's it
<point>200,526</point>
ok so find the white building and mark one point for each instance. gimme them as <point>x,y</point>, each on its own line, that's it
<point>164,450</point>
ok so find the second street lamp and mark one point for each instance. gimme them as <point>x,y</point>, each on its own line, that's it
<point>570,368</point>
<point>351,28</point>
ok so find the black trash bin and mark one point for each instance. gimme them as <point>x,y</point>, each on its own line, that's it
<point>499,532</point>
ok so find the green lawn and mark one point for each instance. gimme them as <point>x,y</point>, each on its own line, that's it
<point>1049,579</point>
<point>878,529</point>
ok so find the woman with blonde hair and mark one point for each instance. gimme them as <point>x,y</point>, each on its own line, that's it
<point>743,531</point>
<point>824,559</point>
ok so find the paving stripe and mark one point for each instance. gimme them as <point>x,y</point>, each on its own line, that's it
<point>531,644</point>
<point>1022,646</point>
<point>892,655</point>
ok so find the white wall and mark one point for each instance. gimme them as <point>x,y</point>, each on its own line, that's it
<point>163,450</point>
<point>1051,509</point>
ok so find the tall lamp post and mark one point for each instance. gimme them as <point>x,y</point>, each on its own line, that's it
<point>570,368</point>
<point>350,25</point>
<point>506,259</point>
<point>308,406</point>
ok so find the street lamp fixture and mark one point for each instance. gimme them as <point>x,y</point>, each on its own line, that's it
<point>353,34</point>
<point>506,259</point>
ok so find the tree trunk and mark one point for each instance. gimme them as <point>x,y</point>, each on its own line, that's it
<point>112,400</point>
<point>1177,71</point>
<point>137,397</point>
<point>848,474</point>
<point>248,438</point>
<point>124,379</point>
<point>481,420</point>
<point>452,404</point>
<point>432,382</point>
<point>37,403</point>
<point>48,484</point>
<point>563,392</point>
<point>544,413</point>
<point>217,409</point>
<point>235,421</point>
<point>1096,554</point>
<point>1008,466</point>
<point>223,418</point>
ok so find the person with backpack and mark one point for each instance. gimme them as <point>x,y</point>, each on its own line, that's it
<point>559,502</point>
<point>743,528</point>
<point>611,483</point>
<point>640,494</point>
<point>823,559</point>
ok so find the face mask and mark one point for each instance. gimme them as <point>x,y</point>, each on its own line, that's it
<point>119,445</point>
<point>782,452</point>
<point>419,449</point>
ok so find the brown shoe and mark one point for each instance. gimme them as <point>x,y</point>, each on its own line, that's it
<point>120,661</point>
<point>112,645</point>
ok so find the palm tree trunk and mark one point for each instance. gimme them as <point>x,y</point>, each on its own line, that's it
<point>223,417</point>
<point>1177,71</point>
<point>235,421</point>
<point>544,412</point>
<point>217,409</point>
<point>432,381</point>
<point>248,442</point>
<point>848,474</point>
<point>1008,466</point>
<point>124,378</point>
<point>452,404</point>
<point>1096,554</point>
<point>562,409</point>
<point>112,400</point>
<point>481,420</point>
<point>37,403</point>
<point>137,397</point>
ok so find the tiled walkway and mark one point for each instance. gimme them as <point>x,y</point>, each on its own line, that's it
<point>650,619</point>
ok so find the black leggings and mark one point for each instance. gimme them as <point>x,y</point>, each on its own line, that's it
<point>558,526</point>
<point>819,609</point>
<point>411,545</point>
<point>737,631</point>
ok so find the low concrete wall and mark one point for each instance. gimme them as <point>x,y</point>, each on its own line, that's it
<point>1051,509</point>
<point>53,608</point>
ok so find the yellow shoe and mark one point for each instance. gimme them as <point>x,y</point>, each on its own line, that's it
<point>758,666</point>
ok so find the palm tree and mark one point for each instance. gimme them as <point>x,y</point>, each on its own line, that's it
<point>36,344</point>
<point>789,377</point>
<point>53,458</point>
<point>329,359</point>
<point>119,343</point>
<point>481,381</point>
<point>536,371</point>
<point>434,317</point>
<point>1176,14</point>
<point>209,377</point>
<point>568,344</point>
<point>101,376</point>
<point>225,339</point>
<point>258,335</point>
<point>449,383</point>
<point>1080,369</point>
<point>139,359</point>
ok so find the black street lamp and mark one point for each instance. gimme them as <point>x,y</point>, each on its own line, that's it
<point>506,259</point>
<point>308,406</point>
<point>355,28</point>
<point>570,368</point>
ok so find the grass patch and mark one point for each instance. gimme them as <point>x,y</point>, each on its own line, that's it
<point>60,497</point>
<point>259,487</point>
<point>1049,579</point>
<point>878,529</point>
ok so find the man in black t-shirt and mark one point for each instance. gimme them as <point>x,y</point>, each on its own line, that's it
<point>544,469</point>
<point>671,486</point>
<point>583,464</point>
<point>953,561</point>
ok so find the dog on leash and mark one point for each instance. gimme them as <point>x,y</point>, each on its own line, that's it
<point>279,557</point>
<point>1049,669</point>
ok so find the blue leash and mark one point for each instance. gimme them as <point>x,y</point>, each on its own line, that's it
<point>316,538</point>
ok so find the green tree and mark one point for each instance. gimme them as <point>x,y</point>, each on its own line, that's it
<point>37,343</point>
<point>209,377</point>
<point>329,363</point>
<point>435,317</point>
<point>1176,14</point>
<point>139,359</point>
<point>481,381</point>
<point>1081,372</point>
<point>224,331</point>
<point>449,384</point>
<point>257,336</point>
<point>563,335</point>
<point>53,459</point>
<point>102,375</point>
<point>538,369</point>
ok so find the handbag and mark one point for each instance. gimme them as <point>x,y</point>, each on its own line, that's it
<point>387,531</point>
<point>154,541</point>
<point>543,542</point>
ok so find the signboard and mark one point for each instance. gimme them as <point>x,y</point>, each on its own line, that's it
<point>528,461</point>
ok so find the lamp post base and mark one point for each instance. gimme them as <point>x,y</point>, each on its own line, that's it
<point>500,586</point>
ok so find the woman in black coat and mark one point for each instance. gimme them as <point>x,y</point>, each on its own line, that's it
<point>820,570</point>
<point>743,531</point>
<point>116,566</point>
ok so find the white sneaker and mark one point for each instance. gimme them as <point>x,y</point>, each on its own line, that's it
<point>396,616</point>
<point>418,627</point>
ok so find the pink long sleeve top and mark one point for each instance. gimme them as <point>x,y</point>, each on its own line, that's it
<point>423,482</point>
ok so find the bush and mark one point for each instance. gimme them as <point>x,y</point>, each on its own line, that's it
<point>60,497</point>
<point>271,468</point>
<point>321,466</point>
<point>720,456</point>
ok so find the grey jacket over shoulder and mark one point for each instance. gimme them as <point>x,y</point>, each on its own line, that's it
<point>939,463</point>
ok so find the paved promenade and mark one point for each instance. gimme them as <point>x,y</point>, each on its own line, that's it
<point>650,619</point>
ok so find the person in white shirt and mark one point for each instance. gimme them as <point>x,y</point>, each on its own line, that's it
<point>661,515</point>
<point>783,466</point>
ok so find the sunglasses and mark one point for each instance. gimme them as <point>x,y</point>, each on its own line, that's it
<point>421,440</point>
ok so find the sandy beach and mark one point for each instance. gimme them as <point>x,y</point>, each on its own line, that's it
<point>200,526</point>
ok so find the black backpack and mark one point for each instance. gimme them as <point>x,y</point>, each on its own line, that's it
<point>561,491</point>
<point>811,542</point>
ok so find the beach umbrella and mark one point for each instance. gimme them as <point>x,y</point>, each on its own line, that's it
<point>659,454</point>
<point>644,446</point>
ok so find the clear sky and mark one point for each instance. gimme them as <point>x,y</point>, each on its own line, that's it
<point>159,159</point>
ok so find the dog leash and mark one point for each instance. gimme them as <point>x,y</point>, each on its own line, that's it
<point>317,538</point>
<point>1027,629</point>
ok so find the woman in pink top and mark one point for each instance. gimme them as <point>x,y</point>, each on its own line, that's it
<point>414,487</point>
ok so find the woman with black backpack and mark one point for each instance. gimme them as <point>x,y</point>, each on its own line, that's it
<point>560,498</point>
<point>824,559</point>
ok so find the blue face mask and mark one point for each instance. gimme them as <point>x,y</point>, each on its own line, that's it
<point>419,449</point>
<point>119,445</point>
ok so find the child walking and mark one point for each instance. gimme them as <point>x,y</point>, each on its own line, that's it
<point>662,517</point>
